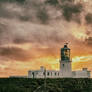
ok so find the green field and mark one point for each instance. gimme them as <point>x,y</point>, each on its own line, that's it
<point>52,85</point>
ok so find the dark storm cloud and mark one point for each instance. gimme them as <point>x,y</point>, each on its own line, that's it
<point>18,32</point>
<point>58,2</point>
<point>40,38</point>
<point>28,11</point>
<point>2,28</point>
<point>31,12</point>
<point>10,10</point>
<point>14,53</point>
<point>20,41</point>
<point>18,54</point>
<point>88,41</point>
<point>43,15</point>
<point>28,16</point>
<point>89,18</point>
<point>70,11</point>
<point>38,11</point>
<point>52,2</point>
<point>4,31</point>
<point>67,1</point>
<point>12,1</point>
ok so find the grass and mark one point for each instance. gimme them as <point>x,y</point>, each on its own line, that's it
<point>52,85</point>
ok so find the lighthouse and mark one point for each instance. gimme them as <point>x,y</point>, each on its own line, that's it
<point>65,70</point>
<point>65,62</point>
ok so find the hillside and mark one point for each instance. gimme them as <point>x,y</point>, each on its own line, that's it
<point>52,85</point>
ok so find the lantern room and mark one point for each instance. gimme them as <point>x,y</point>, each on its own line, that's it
<point>65,53</point>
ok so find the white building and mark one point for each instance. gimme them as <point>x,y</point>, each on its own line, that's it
<point>65,69</point>
<point>81,74</point>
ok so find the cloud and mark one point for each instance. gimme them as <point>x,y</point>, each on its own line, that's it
<point>30,11</point>
<point>40,24</point>
<point>21,40</point>
<point>12,1</point>
<point>42,12</point>
<point>82,58</point>
<point>32,30</point>
<point>19,32</point>
<point>52,2</point>
<point>38,12</point>
<point>88,41</point>
<point>43,15</point>
<point>14,53</point>
<point>88,18</point>
<point>69,10</point>
<point>80,62</point>
<point>23,55</point>
<point>10,10</point>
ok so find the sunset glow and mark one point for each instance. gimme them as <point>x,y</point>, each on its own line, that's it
<point>80,32</point>
<point>32,34</point>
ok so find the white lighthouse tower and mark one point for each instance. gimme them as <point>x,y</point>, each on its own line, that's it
<point>65,62</point>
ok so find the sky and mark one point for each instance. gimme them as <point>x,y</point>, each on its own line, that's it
<point>32,32</point>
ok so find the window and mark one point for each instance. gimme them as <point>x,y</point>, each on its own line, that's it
<point>63,65</point>
<point>55,74</point>
<point>48,73</point>
<point>44,73</point>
